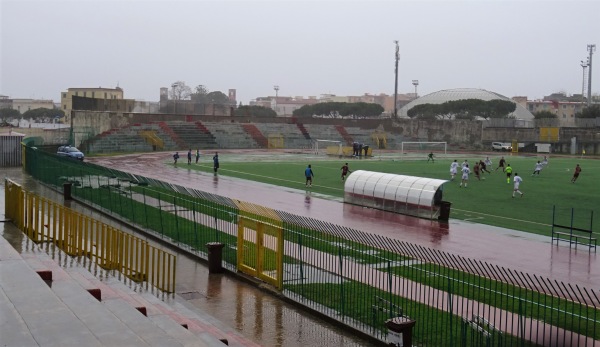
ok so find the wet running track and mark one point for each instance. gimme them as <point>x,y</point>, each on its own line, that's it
<point>533,254</point>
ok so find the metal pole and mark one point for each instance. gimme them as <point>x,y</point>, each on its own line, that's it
<point>583,66</point>
<point>591,49</point>
<point>396,81</point>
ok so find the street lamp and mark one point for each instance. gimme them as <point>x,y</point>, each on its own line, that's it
<point>415,83</point>
<point>276,88</point>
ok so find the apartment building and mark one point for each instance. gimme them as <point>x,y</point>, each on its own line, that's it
<point>66,100</point>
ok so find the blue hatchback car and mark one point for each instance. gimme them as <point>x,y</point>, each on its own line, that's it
<point>70,152</point>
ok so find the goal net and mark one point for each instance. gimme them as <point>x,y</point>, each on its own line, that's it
<point>327,147</point>
<point>422,149</point>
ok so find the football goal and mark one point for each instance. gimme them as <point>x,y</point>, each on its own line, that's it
<point>327,147</point>
<point>421,149</point>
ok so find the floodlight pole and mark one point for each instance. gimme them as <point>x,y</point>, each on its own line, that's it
<point>396,82</point>
<point>591,49</point>
<point>276,88</point>
<point>584,65</point>
<point>415,83</point>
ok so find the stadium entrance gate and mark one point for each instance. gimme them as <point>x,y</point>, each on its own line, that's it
<point>260,250</point>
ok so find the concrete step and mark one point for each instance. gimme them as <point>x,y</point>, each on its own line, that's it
<point>49,322</point>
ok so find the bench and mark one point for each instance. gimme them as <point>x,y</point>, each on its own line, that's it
<point>575,236</point>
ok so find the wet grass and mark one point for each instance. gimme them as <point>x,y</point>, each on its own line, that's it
<point>487,201</point>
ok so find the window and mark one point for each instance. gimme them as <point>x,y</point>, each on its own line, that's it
<point>76,93</point>
<point>105,95</point>
<point>84,94</point>
<point>93,94</point>
<point>64,107</point>
<point>564,115</point>
<point>564,106</point>
<point>64,95</point>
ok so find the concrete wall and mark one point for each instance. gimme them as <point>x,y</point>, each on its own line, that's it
<point>460,134</point>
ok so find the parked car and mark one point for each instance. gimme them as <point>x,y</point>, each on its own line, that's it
<point>70,152</point>
<point>499,146</point>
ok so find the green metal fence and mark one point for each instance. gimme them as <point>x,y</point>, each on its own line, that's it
<point>357,278</point>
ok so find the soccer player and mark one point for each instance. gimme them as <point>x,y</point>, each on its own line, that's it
<point>308,173</point>
<point>508,172</point>
<point>464,163</point>
<point>538,167</point>
<point>197,155</point>
<point>483,167</point>
<point>576,173</point>
<point>465,175</point>
<point>430,157</point>
<point>488,162</point>
<point>517,181</point>
<point>345,169</point>
<point>453,169</point>
<point>216,162</point>
<point>501,164</point>
<point>190,156</point>
<point>476,171</point>
<point>175,157</point>
<point>545,161</point>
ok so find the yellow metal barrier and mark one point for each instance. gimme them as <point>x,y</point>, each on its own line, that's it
<point>275,141</point>
<point>260,243</point>
<point>151,137</point>
<point>43,220</point>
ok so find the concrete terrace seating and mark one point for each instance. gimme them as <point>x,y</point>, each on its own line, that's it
<point>230,135</point>
<point>128,139</point>
<point>293,138</point>
<point>324,132</point>
<point>63,313</point>
<point>192,135</point>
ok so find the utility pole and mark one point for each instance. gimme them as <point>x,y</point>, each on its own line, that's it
<point>396,83</point>
<point>591,49</point>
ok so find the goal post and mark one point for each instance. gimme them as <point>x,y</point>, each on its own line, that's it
<point>419,147</point>
<point>329,147</point>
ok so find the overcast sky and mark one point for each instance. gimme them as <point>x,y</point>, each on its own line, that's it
<point>515,48</point>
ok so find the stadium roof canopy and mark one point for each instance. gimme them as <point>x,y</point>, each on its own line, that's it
<point>442,96</point>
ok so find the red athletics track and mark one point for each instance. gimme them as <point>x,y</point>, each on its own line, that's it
<point>516,250</point>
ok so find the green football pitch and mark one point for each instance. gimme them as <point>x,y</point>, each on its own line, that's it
<point>488,201</point>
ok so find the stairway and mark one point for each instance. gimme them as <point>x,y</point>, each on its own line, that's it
<point>345,135</point>
<point>256,135</point>
<point>66,305</point>
<point>167,129</point>
<point>303,130</point>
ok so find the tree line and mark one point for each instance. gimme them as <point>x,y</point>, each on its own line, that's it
<point>340,110</point>
<point>464,109</point>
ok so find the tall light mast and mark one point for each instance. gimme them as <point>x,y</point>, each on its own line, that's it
<point>591,49</point>
<point>396,82</point>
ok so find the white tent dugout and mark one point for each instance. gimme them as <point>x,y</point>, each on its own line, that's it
<point>416,196</point>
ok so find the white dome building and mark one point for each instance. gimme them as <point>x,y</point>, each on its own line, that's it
<point>442,96</point>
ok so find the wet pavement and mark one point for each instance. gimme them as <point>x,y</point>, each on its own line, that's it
<point>530,253</point>
<point>255,314</point>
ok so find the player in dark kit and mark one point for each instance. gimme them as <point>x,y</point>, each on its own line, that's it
<point>308,173</point>
<point>501,164</point>
<point>216,162</point>
<point>576,173</point>
<point>345,171</point>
